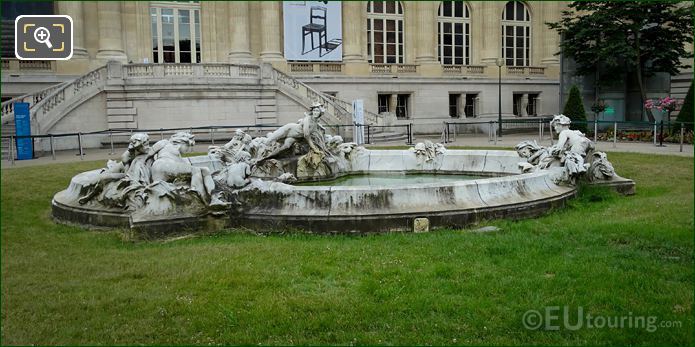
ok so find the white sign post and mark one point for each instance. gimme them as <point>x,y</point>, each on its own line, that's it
<point>358,120</point>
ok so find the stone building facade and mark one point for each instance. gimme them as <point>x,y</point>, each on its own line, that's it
<point>446,65</point>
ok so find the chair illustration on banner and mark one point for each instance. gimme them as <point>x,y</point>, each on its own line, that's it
<point>317,24</point>
<point>316,14</point>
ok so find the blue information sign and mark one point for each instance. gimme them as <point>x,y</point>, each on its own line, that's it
<point>25,146</point>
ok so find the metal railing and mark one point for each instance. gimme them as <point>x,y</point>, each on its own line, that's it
<point>658,130</point>
<point>205,134</point>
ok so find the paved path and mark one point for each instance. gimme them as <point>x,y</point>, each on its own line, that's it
<point>506,142</point>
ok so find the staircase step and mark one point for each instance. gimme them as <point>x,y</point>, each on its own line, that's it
<point>265,108</point>
<point>121,111</point>
<point>119,104</point>
<point>386,136</point>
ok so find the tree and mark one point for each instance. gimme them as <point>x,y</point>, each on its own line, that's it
<point>619,37</point>
<point>686,112</point>
<point>574,109</point>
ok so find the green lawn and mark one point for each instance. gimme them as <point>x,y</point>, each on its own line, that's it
<point>610,255</point>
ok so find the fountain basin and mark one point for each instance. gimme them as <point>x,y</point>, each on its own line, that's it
<point>504,193</point>
<point>358,209</point>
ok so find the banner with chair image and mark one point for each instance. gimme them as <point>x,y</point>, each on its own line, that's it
<point>313,30</point>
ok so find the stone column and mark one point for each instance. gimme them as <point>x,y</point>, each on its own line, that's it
<point>240,51</point>
<point>426,27</point>
<point>352,31</point>
<point>110,31</point>
<point>270,31</point>
<point>492,26</point>
<point>551,39</point>
<point>74,10</point>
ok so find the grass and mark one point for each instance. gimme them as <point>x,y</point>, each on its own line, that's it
<point>610,255</point>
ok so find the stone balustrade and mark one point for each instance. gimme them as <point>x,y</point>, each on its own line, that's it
<point>315,67</point>
<point>32,99</point>
<point>27,65</point>
<point>336,68</point>
<point>526,70</point>
<point>380,68</point>
<point>534,70</point>
<point>463,69</point>
<point>406,68</point>
<point>301,67</point>
<point>393,68</point>
<point>67,94</point>
<point>190,70</point>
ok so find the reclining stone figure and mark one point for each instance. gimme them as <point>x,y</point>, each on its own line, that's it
<point>169,166</point>
<point>306,129</point>
<point>574,152</point>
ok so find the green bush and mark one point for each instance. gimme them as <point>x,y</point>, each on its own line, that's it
<point>574,109</point>
<point>686,113</point>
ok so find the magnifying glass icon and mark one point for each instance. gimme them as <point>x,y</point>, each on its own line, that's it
<point>42,35</point>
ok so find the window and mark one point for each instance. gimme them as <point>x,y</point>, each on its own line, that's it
<point>454,32</point>
<point>465,105</point>
<point>534,104</point>
<point>516,34</point>
<point>402,107</point>
<point>385,32</point>
<point>454,105</point>
<point>176,33</point>
<point>526,104</point>
<point>471,105</point>
<point>384,102</point>
<point>401,102</point>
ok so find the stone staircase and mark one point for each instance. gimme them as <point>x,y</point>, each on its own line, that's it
<point>378,135</point>
<point>266,110</point>
<point>50,105</point>
<point>120,113</point>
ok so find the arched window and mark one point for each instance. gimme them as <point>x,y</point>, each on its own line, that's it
<point>516,34</point>
<point>454,23</point>
<point>385,32</point>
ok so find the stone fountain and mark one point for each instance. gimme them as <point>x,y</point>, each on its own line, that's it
<point>257,183</point>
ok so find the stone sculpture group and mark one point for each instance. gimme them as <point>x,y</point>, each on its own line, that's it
<point>159,182</point>
<point>573,152</point>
